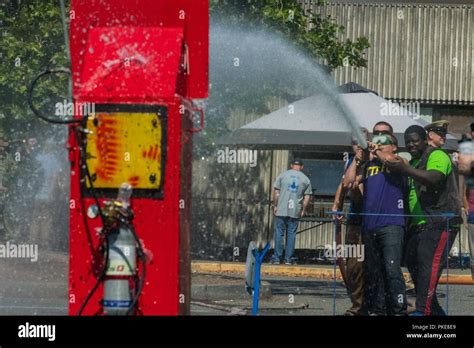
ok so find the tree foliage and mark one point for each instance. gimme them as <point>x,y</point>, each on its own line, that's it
<point>318,35</point>
<point>32,40</point>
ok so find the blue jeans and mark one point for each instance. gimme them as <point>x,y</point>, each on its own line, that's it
<point>384,283</point>
<point>470,218</point>
<point>289,224</point>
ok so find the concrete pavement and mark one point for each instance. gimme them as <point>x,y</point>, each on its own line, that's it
<point>326,272</point>
<point>40,288</point>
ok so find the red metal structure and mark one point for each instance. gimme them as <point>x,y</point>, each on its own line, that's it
<point>139,62</point>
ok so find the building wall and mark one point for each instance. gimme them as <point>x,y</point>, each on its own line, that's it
<point>419,52</point>
<point>459,118</point>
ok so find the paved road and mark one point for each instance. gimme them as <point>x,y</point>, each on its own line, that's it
<point>34,288</point>
<point>40,288</point>
<point>304,296</point>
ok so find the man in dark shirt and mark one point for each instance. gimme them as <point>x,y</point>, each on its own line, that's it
<point>433,191</point>
<point>354,267</point>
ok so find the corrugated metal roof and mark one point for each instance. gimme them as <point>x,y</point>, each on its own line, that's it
<point>408,2</point>
<point>419,52</point>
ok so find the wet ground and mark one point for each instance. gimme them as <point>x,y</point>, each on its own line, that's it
<point>40,288</point>
<point>34,288</point>
<point>308,296</point>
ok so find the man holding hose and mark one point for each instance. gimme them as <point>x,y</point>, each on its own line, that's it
<point>383,222</point>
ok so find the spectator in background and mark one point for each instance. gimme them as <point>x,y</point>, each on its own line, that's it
<point>465,162</point>
<point>466,157</point>
<point>291,194</point>
<point>382,127</point>
<point>354,267</point>
<point>50,205</point>
<point>469,211</point>
<point>436,133</point>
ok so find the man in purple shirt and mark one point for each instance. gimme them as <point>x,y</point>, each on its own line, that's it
<point>384,195</point>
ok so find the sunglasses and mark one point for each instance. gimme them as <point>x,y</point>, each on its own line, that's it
<point>381,132</point>
<point>441,133</point>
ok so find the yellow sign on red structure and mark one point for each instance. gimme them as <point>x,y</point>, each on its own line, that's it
<point>125,147</point>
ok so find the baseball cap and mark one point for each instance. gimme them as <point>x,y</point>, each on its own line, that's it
<point>297,161</point>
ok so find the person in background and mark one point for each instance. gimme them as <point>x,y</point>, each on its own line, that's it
<point>469,211</point>
<point>466,158</point>
<point>382,127</point>
<point>465,162</point>
<point>432,191</point>
<point>354,267</point>
<point>436,133</point>
<point>291,194</point>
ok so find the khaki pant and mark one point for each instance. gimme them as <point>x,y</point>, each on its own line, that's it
<point>355,271</point>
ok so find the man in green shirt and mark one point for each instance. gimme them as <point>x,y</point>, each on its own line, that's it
<point>439,161</point>
<point>433,192</point>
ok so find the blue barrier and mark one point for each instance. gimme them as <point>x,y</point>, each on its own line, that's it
<point>256,285</point>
